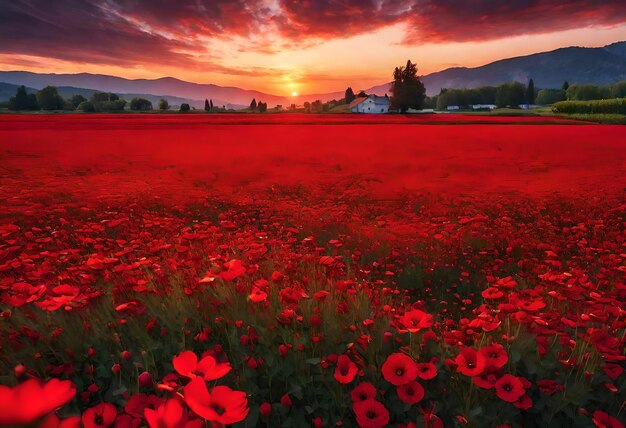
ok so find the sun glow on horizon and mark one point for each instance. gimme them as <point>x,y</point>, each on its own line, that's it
<point>294,94</point>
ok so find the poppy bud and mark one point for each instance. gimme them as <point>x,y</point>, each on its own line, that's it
<point>266,409</point>
<point>145,380</point>
<point>126,355</point>
<point>20,370</point>
<point>285,400</point>
<point>116,368</point>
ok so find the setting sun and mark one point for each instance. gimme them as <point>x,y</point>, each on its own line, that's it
<point>294,94</point>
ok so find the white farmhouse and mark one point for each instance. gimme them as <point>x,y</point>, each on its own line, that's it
<point>370,104</point>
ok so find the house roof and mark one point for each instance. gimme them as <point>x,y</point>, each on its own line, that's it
<point>358,100</point>
<point>380,101</point>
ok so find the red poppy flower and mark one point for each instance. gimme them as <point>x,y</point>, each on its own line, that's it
<point>186,364</point>
<point>411,392</point>
<point>29,401</point>
<point>257,295</point>
<point>487,379</point>
<point>399,369</point>
<point>170,414</point>
<point>346,369</point>
<point>415,320</point>
<point>137,404</point>
<point>363,391</point>
<point>53,421</point>
<point>469,362</point>
<point>426,371</point>
<point>612,370</point>
<point>222,404</point>
<point>604,420</point>
<point>495,355</point>
<point>509,388</point>
<point>100,415</point>
<point>234,268</point>
<point>492,293</point>
<point>371,414</point>
<point>524,403</point>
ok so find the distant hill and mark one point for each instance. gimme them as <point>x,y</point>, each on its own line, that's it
<point>599,66</point>
<point>602,66</point>
<point>8,90</point>
<point>163,87</point>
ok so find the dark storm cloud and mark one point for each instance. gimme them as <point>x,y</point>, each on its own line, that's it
<point>444,20</point>
<point>131,32</point>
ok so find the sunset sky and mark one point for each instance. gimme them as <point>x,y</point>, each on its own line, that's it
<point>286,46</point>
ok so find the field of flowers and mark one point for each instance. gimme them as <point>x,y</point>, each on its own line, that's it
<point>311,271</point>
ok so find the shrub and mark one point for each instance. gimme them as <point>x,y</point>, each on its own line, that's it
<point>611,106</point>
<point>86,106</point>
<point>163,104</point>
<point>140,104</point>
<point>550,96</point>
<point>184,107</point>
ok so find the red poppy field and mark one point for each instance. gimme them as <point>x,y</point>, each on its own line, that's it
<point>311,271</point>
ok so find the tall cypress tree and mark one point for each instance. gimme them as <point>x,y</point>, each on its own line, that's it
<point>530,92</point>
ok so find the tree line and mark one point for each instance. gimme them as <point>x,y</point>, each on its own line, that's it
<point>49,99</point>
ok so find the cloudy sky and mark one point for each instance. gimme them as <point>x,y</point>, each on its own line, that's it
<point>286,46</point>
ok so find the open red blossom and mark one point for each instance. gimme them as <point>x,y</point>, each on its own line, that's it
<point>612,370</point>
<point>399,369</point>
<point>346,369</point>
<point>492,293</point>
<point>53,421</point>
<point>221,405</point>
<point>495,355</point>
<point>363,391</point>
<point>604,420</point>
<point>186,364</point>
<point>411,392</point>
<point>371,414</point>
<point>415,320</point>
<point>469,362</point>
<point>33,399</point>
<point>138,403</point>
<point>257,295</point>
<point>426,371</point>
<point>509,388</point>
<point>524,403</point>
<point>487,379</point>
<point>100,415</point>
<point>234,268</point>
<point>170,414</point>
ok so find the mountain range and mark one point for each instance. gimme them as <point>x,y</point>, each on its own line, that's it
<point>603,65</point>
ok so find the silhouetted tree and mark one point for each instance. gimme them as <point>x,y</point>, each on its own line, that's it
<point>253,104</point>
<point>184,107</point>
<point>362,94</point>
<point>530,92</point>
<point>307,107</point>
<point>163,104</point>
<point>207,106</point>
<point>23,100</point>
<point>210,104</point>
<point>316,106</point>
<point>407,89</point>
<point>565,85</point>
<point>349,96</point>
<point>48,98</point>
